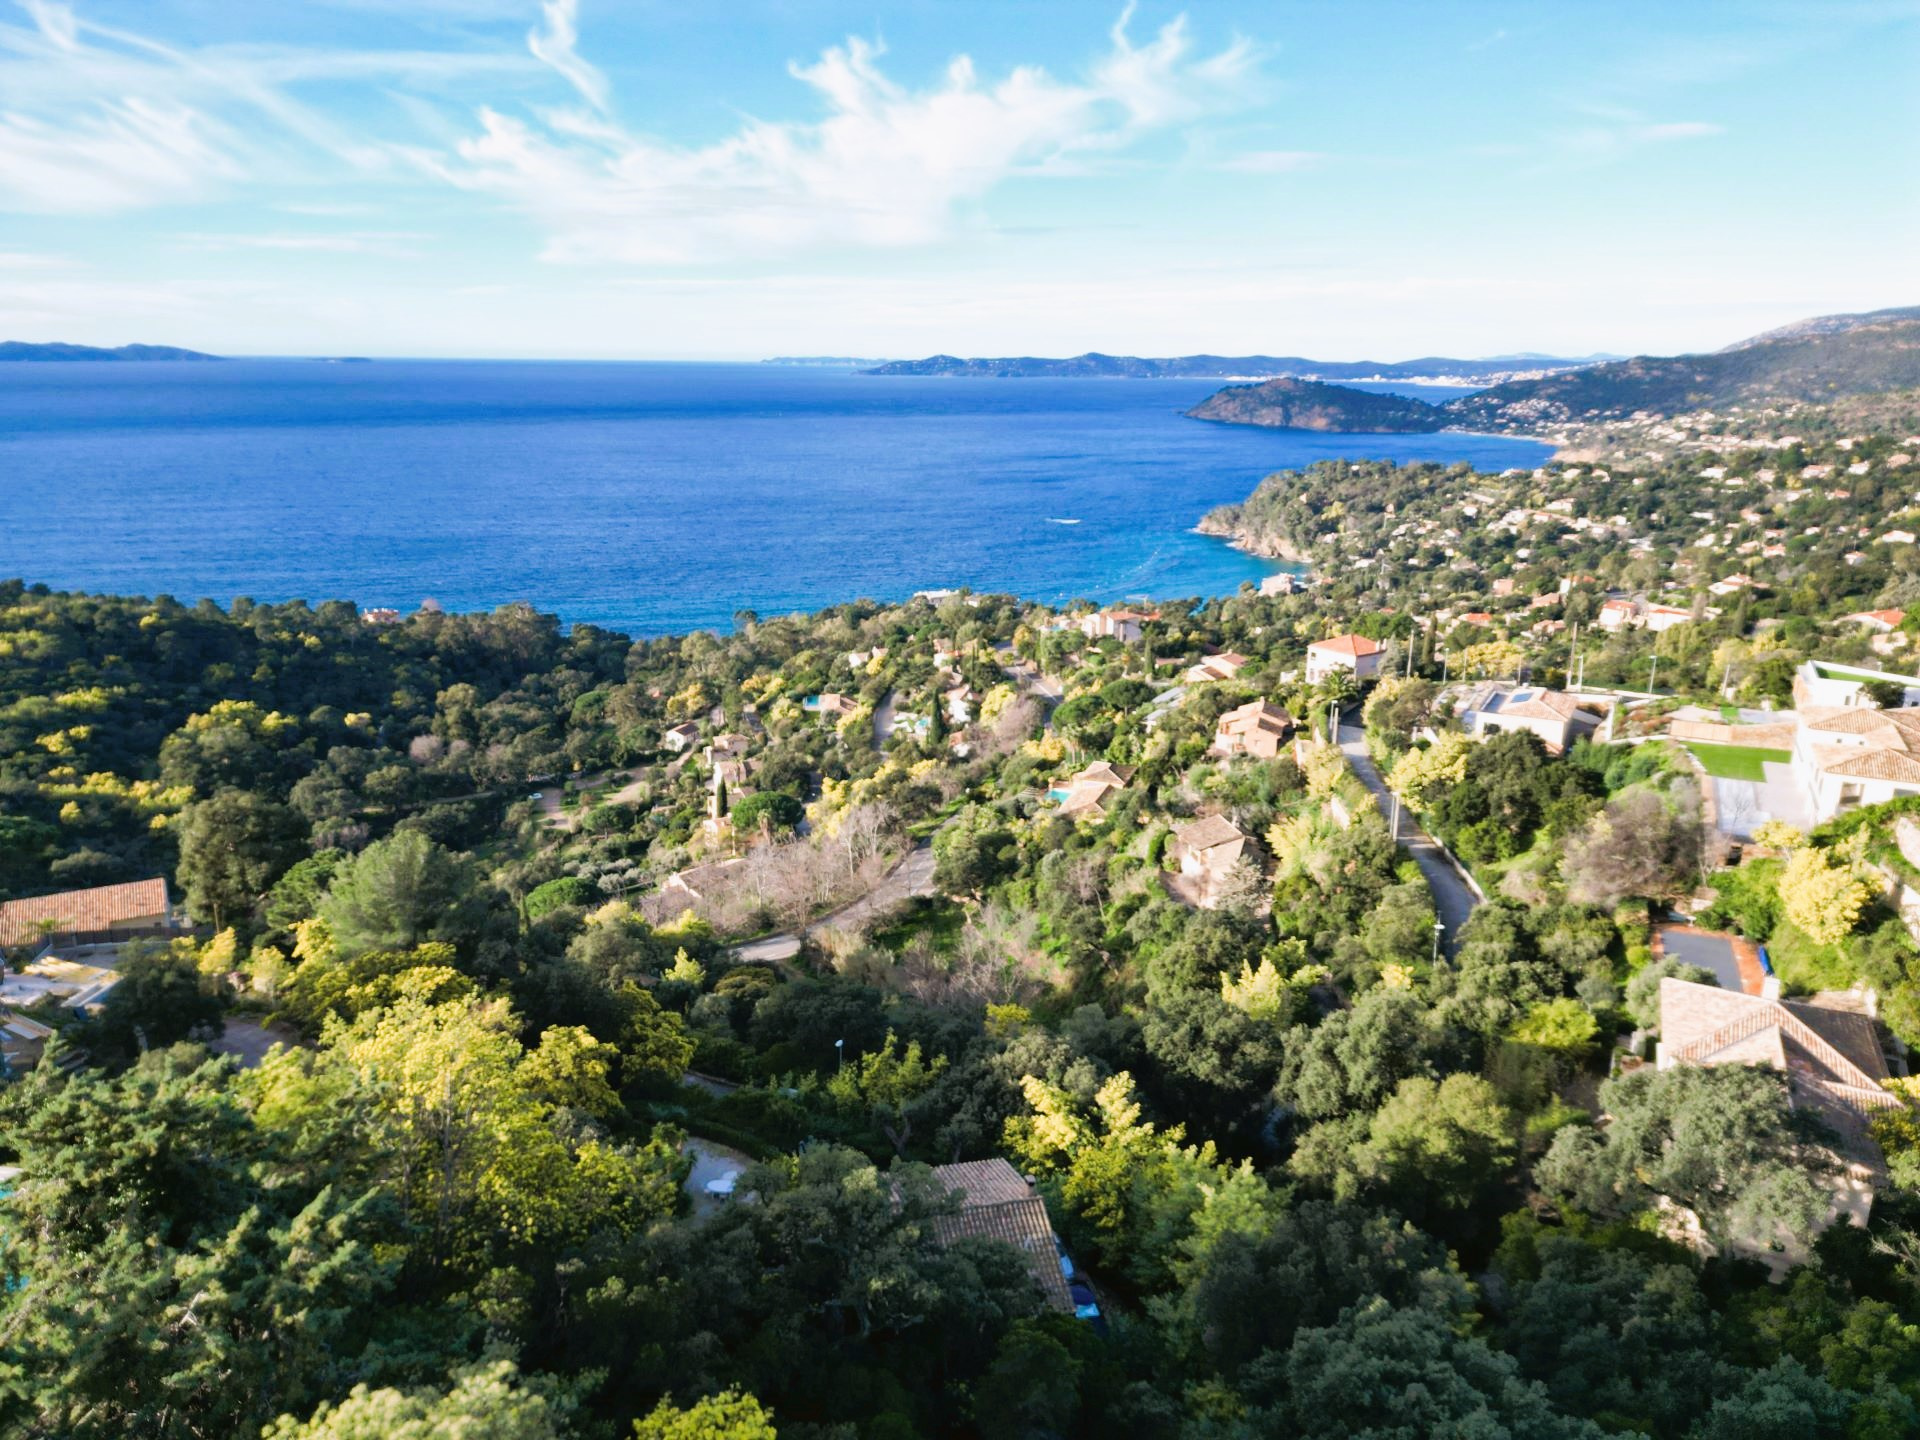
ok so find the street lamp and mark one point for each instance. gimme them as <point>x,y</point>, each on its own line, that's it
<point>840,1050</point>
<point>1439,928</point>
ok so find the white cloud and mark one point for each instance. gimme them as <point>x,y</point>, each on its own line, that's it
<point>556,42</point>
<point>124,154</point>
<point>886,166</point>
<point>351,242</point>
<point>31,260</point>
<point>1681,130</point>
<point>1272,162</point>
<point>98,120</point>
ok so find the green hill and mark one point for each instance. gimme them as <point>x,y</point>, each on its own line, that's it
<point>1311,405</point>
<point>1814,361</point>
<point>56,350</point>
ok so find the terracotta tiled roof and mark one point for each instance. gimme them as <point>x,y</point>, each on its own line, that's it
<point>1208,832</point>
<point>1541,705</point>
<point>1892,742</point>
<point>997,1204</point>
<point>100,908</point>
<point>1256,715</point>
<point>1354,645</point>
<point>1705,1025</point>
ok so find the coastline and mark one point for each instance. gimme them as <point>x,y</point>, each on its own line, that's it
<point>1238,539</point>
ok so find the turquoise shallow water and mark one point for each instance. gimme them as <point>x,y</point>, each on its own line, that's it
<point>648,497</point>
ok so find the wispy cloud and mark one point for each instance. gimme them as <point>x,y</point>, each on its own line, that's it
<point>100,120</point>
<point>1679,130</point>
<point>353,242</point>
<point>1618,137</point>
<point>556,42</point>
<point>124,154</point>
<point>31,260</point>
<point>1271,162</point>
<point>887,166</point>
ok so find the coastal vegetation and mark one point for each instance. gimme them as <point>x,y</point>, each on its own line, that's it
<point>510,950</point>
<point>1869,364</point>
<point>56,350</point>
<point>1292,404</point>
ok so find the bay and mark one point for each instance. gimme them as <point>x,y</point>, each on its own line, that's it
<point>649,497</point>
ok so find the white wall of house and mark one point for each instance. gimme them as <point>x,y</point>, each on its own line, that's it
<point>1830,794</point>
<point>1321,664</point>
<point>1840,686</point>
<point>1481,724</point>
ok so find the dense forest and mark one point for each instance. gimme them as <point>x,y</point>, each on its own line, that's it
<point>1331,1171</point>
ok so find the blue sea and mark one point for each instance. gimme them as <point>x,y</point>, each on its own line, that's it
<point>651,498</point>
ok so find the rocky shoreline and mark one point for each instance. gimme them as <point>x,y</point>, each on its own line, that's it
<point>1263,545</point>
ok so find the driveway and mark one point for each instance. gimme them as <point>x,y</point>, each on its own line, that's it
<point>768,950</point>
<point>248,1041</point>
<point>1742,806</point>
<point>1453,898</point>
<point>551,799</point>
<point>711,1162</point>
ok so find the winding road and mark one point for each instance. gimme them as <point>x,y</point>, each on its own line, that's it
<point>1453,897</point>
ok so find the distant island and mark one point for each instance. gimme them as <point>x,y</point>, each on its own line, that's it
<point>1813,362</point>
<point>831,362</point>
<point>1431,369</point>
<point>1296,404</point>
<point>56,350</point>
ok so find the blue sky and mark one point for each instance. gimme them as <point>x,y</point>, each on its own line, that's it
<point>625,178</point>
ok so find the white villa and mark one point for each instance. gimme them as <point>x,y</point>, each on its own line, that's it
<point>1846,756</point>
<point>1495,706</point>
<point>1121,625</point>
<point>1355,654</point>
<point>1820,684</point>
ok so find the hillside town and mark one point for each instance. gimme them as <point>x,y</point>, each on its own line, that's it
<point>1536,857</point>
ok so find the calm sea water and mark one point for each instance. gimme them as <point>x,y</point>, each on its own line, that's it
<point>648,497</point>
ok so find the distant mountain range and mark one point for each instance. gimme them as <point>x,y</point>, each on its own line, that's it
<point>1813,361</point>
<point>27,350</point>
<point>832,362</point>
<point>1491,370</point>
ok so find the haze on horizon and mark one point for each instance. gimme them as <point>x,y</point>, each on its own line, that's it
<point>552,178</point>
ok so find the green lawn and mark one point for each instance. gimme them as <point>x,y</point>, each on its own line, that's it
<point>1735,762</point>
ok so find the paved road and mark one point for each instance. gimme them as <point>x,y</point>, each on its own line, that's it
<point>249,1041</point>
<point>1453,898</point>
<point>909,879</point>
<point>551,798</point>
<point>768,950</point>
